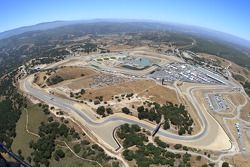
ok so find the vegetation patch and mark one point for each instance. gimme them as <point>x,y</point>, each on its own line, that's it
<point>144,153</point>
<point>101,110</point>
<point>70,160</point>
<point>238,77</point>
<point>221,50</point>
<point>8,119</point>
<point>91,151</point>
<point>173,114</point>
<point>45,145</point>
<point>246,86</point>
<point>23,138</point>
<point>54,80</point>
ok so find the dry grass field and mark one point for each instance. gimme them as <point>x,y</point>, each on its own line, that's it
<point>68,73</point>
<point>160,94</point>
<point>80,83</point>
<point>40,78</point>
<point>236,98</point>
<point>195,162</point>
<point>238,161</point>
<point>240,70</point>
<point>245,112</point>
<point>141,87</point>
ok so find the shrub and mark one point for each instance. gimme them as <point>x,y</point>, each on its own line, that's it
<point>54,80</point>
<point>77,148</point>
<point>109,110</point>
<point>101,110</point>
<point>125,110</point>
<point>177,146</point>
<point>160,143</point>
<point>225,164</point>
<point>60,153</point>
<point>85,142</point>
<point>96,102</point>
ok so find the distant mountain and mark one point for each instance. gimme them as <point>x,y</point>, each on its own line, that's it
<point>216,35</point>
<point>54,24</point>
<point>41,26</point>
<point>194,30</point>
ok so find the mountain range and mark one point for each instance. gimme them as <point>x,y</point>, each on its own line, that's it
<point>194,30</point>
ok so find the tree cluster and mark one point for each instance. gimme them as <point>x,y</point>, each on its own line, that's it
<point>101,110</point>
<point>152,115</point>
<point>174,114</point>
<point>131,136</point>
<point>146,154</point>
<point>8,118</point>
<point>54,80</point>
<point>125,110</point>
<point>246,86</point>
<point>44,147</point>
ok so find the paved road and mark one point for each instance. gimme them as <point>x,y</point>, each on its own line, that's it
<point>68,106</point>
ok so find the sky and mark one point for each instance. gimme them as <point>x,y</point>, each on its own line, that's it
<point>230,16</point>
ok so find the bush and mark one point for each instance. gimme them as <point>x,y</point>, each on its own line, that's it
<point>82,91</point>
<point>225,164</point>
<point>130,95</point>
<point>166,125</point>
<point>177,146</point>
<point>19,151</point>
<point>115,164</point>
<point>160,143</point>
<point>96,102</point>
<point>198,158</point>
<point>185,148</point>
<point>50,119</point>
<point>60,153</point>
<point>109,110</point>
<point>96,147</point>
<point>181,131</point>
<point>125,110</point>
<point>128,155</point>
<point>77,148</point>
<point>136,127</point>
<point>29,159</point>
<point>140,109</point>
<point>101,110</point>
<point>54,80</point>
<point>85,142</point>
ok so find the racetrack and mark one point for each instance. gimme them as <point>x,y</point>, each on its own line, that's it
<point>210,136</point>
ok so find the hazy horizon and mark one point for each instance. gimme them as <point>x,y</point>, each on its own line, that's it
<point>226,16</point>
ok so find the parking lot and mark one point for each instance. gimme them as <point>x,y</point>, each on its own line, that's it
<point>216,102</point>
<point>183,72</point>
